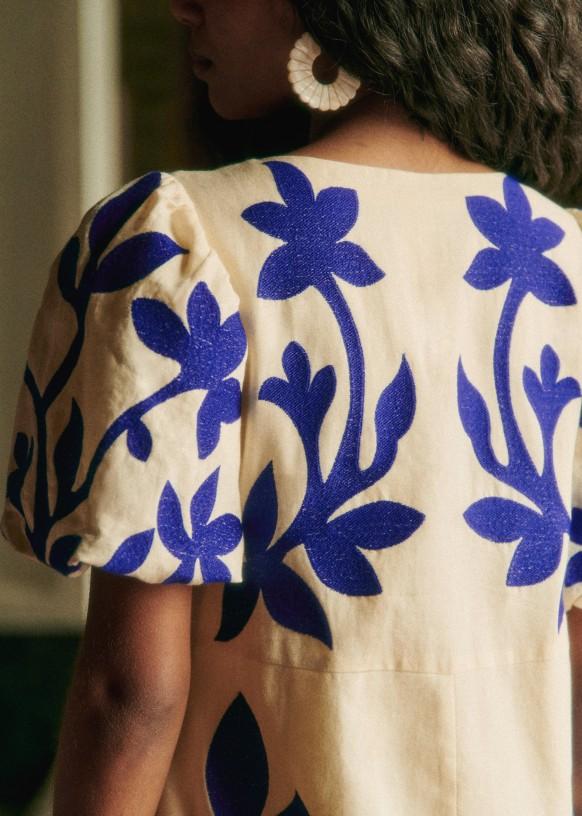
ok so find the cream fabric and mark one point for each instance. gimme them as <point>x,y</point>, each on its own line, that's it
<point>343,401</point>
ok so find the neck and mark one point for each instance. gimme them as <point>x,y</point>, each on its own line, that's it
<point>368,112</point>
<point>378,128</point>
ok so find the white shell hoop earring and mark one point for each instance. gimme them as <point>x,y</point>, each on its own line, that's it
<point>316,94</point>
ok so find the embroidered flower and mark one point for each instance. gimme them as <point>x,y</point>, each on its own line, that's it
<point>208,540</point>
<point>312,228</point>
<point>519,243</point>
<point>207,352</point>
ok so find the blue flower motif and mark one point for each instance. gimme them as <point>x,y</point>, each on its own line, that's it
<point>208,540</point>
<point>312,228</point>
<point>207,352</point>
<point>519,243</point>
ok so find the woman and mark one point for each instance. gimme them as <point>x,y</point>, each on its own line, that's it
<point>363,355</point>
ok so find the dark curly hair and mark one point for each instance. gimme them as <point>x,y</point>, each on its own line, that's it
<point>498,80</point>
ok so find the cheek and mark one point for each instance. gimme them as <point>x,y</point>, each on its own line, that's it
<point>248,82</point>
<point>251,42</point>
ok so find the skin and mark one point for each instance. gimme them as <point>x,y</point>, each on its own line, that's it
<point>574,618</point>
<point>130,686</point>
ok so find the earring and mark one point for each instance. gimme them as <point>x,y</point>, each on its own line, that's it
<point>316,94</point>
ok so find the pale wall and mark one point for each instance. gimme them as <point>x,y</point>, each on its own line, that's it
<point>60,151</point>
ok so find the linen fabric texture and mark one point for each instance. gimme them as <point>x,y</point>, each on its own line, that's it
<point>344,402</point>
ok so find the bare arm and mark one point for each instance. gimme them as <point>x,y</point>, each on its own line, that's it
<point>127,698</point>
<point>574,618</point>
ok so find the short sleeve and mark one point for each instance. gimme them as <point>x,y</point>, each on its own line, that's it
<point>125,450</point>
<point>573,575</point>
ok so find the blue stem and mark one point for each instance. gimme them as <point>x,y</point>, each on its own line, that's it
<point>520,466</point>
<point>343,481</point>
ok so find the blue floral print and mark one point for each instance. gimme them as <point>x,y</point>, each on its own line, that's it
<point>520,242</point>
<point>206,351</point>
<point>312,228</point>
<point>209,539</point>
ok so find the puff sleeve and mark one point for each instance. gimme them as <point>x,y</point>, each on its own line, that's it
<point>125,449</point>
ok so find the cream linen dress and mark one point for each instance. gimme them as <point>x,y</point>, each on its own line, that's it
<point>343,403</point>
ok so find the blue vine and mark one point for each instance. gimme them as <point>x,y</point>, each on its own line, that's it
<point>314,254</point>
<point>517,255</point>
<point>207,352</point>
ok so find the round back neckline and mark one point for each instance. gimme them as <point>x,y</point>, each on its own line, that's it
<point>378,168</point>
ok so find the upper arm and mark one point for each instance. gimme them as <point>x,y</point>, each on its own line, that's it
<point>135,651</point>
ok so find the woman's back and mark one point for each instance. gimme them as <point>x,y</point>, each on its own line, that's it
<point>410,411</point>
<point>407,348</point>
<point>344,402</point>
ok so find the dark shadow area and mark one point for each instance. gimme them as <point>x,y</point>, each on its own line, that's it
<point>36,671</point>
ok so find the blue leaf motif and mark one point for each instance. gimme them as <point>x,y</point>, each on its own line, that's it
<point>203,500</point>
<point>351,263</point>
<point>294,605</point>
<point>537,556</point>
<point>214,350</point>
<point>271,218</point>
<point>320,396</point>
<point>114,213</point>
<point>259,521</point>
<point>475,418</point>
<point>131,553</point>
<point>489,269</point>
<point>60,552</point>
<point>68,449</point>
<point>230,346</point>
<point>491,218</point>
<point>295,808</point>
<point>296,366</point>
<point>574,570</point>
<point>335,211</point>
<point>575,531</point>
<point>275,280</point>
<point>395,407</point>
<point>203,314</point>
<point>236,771</point>
<point>221,404</point>
<point>170,524</point>
<point>339,564</point>
<point>133,260</point>
<point>23,455</point>
<point>139,441</point>
<point>518,205</point>
<point>159,328</point>
<point>376,525</point>
<point>548,395</point>
<point>238,604</point>
<point>68,269</point>
<point>545,234</point>
<point>21,449</point>
<point>500,519</point>
<point>304,402</point>
<point>551,285</point>
<point>293,186</point>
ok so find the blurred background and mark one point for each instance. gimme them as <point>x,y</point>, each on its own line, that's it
<point>93,93</point>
